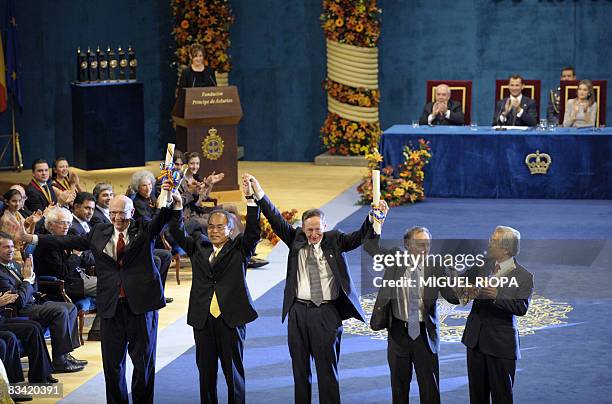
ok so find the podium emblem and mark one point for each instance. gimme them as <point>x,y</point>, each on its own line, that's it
<point>212,145</point>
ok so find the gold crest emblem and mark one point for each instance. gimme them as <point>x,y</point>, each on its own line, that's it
<point>537,162</point>
<point>123,63</point>
<point>133,63</point>
<point>103,64</point>
<point>212,145</point>
<point>113,63</point>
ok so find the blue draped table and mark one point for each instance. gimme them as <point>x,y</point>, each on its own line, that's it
<point>484,163</point>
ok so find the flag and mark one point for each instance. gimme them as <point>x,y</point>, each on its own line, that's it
<point>13,60</point>
<point>2,79</point>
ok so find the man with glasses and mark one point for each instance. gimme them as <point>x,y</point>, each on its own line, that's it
<point>64,264</point>
<point>129,292</point>
<point>220,303</point>
<point>491,332</point>
<point>319,294</point>
<point>410,314</point>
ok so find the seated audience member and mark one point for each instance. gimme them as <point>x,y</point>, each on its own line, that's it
<point>84,206</point>
<point>66,183</point>
<point>581,112</point>
<point>31,336</point>
<point>552,109</point>
<point>517,109</point>
<point>25,212</point>
<point>39,191</point>
<point>142,184</point>
<point>103,193</point>
<point>60,317</point>
<point>64,264</point>
<point>443,111</point>
<point>12,203</point>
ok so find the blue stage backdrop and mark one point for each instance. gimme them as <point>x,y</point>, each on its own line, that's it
<point>278,52</point>
<point>483,40</point>
<point>49,33</point>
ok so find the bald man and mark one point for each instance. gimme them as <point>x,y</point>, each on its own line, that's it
<point>443,111</point>
<point>129,292</point>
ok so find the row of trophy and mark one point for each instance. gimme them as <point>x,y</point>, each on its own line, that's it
<point>106,66</point>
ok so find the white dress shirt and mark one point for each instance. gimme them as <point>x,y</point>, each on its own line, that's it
<point>328,282</point>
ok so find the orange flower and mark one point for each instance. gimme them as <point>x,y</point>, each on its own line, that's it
<point>184,24</point>
<point>339,22</point>
<point>359,27</point>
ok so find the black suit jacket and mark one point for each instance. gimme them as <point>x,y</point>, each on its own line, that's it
<point>36,199</point>
<point>455,118</point>
<point>491,324</point>
<point>334,244</point>
<point>61,264</point>
<point>528,118</point>
<point>190,78</point>
<point>382,315</point>
<point>226,275</point>
<point>138,275</point>
<point>143,208</point>
<point>98,217</point>
<point>25,290</point>
<point>87,258</point>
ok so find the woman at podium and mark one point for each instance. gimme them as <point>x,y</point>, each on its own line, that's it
<point>197,74</point>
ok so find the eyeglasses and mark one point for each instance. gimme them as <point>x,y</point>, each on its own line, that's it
<point>219,227</point>
<point>63,223</point>
<point>120,214</point>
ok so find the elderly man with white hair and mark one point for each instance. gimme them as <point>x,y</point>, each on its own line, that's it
<point>63,264</point>
<point>443,111</point>
<point>491,332</point>
<point>129,294</point>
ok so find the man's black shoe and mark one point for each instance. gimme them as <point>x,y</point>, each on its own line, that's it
<point>80,362</point>
<point>256,263</point>
<point>169,300</point>
<point>93,335</point>
<point>66,367</point>
<point>51,379</point>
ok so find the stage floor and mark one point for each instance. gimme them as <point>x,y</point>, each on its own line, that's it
<point>555,354</point>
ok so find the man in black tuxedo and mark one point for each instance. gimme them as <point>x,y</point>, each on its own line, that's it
<point>103,193</point>
<point>410,314</point>
<point>517,109</point>
<point>491,333</point>
<point>64,264</point>
<point>443,111</point>
<point>220,304</point>
<point>129,293</point>
<point>60,317</point>
<point>319,294</point>
<point>39,191</point>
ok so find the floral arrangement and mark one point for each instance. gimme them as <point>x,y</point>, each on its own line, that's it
<point>352,22</point>
<point>208,23</point>
<point>345,137</point>
<point>407,187</point>
<point>266,229</point>
<point>361,97</point>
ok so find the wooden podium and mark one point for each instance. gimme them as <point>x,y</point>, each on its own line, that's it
<point>206,119</point>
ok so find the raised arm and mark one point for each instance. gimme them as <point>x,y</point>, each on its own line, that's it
<point>177,230</point>
<point>283,229</point>
<point>252,231</point>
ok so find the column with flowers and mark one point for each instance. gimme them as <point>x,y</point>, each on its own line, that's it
<point>352,29</point>
<point>208,23</point>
